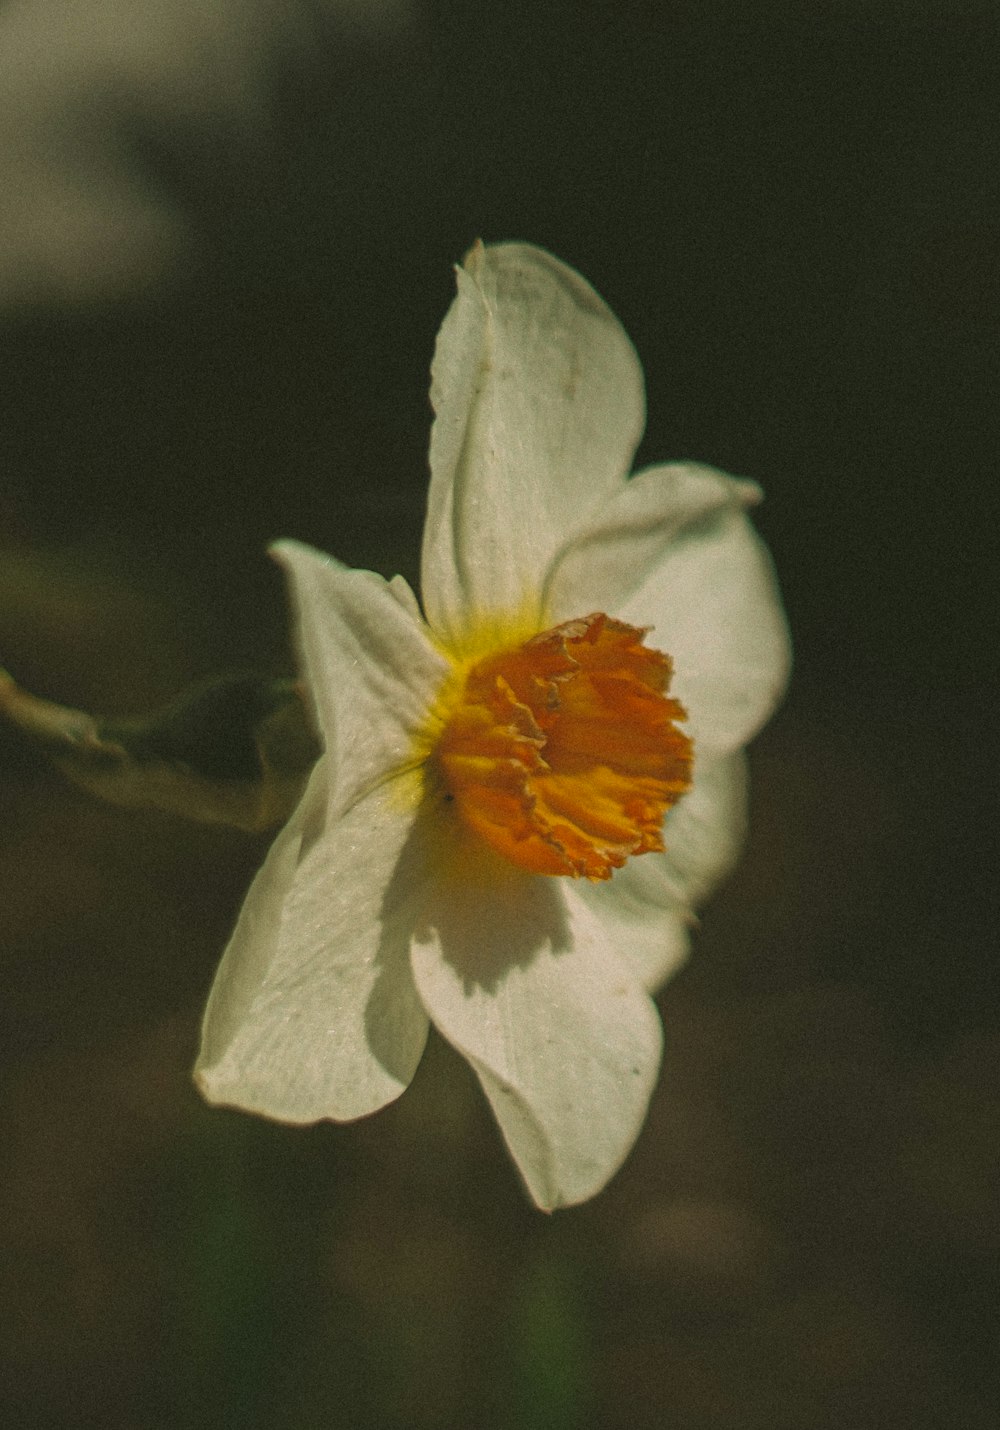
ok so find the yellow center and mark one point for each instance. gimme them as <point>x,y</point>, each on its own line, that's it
<point>562,753</point>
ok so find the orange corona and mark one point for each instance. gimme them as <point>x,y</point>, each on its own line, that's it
<point>563,753</point>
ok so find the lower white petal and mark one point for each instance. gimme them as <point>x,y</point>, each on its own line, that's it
<point>705,831</point>
<point>649,904</point>
<point>653,936</point>
<point>314,1013</point>
<point>551,1017</point>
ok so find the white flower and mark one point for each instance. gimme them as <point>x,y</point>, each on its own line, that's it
<point>477,757</point>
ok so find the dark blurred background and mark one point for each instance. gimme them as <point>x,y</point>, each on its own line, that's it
<point>226,238</point>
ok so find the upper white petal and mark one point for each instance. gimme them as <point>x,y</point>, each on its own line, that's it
<point>552,1018</point>
<point>369,663</point>
<point>539,405</point>
<point>647,908</point>
<point>675,550</point>
<point>313,1012</point>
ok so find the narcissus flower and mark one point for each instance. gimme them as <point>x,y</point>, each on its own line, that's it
<point>532,776</point>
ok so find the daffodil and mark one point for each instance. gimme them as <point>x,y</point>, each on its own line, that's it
<point>531,776</point>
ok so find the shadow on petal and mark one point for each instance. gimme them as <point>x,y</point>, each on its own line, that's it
<point>486,915</point>
<point>316,813</point>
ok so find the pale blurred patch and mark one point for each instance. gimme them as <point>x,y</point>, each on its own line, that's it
<point>80,215</point>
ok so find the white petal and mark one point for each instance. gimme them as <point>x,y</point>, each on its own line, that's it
<point>649,905</point>
<point>653,936</point>
<point>553,1020</point>
<point>675,550</point>
<point>539,406</point>
<point>369,663</point>
<point>605,560</point>
<point>313,1013</point>
<point>705,831</point>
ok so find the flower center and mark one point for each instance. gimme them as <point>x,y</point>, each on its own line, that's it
<point>563,753</point>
